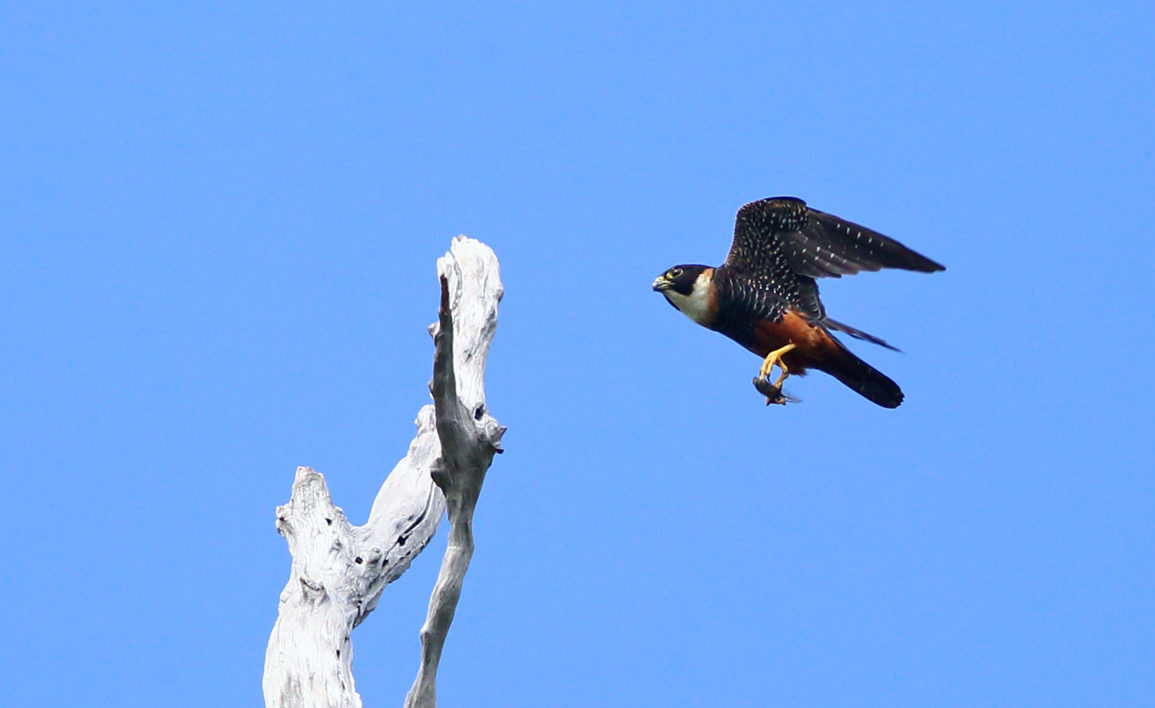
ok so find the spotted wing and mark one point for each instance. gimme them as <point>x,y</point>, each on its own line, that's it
<point>782,232</point>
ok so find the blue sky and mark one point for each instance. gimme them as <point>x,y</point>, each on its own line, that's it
<point>220,228</point>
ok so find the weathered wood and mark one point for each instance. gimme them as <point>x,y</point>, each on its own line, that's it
<point>339,570</point>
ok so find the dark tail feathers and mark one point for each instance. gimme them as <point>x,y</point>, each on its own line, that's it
<point>857,333</point>
<point>865,379</point>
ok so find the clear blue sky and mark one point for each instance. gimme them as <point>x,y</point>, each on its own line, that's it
<point>220,223</point>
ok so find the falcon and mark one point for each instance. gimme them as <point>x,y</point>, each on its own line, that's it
<point>765,297</point>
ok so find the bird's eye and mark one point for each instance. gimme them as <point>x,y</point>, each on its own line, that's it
<point>675,273</point>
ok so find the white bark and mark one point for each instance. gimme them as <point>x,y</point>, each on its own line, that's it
<point>469,438</point>
<point>339,570</point>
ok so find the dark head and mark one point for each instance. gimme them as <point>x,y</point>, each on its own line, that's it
<point>680,279</point>
<point>690,289</point>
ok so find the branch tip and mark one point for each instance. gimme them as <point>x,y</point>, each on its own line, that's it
<point>444,309</point>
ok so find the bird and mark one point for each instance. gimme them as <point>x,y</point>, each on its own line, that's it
<point>765,295</point>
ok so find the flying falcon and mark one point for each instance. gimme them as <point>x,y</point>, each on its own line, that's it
<point>765,298</point>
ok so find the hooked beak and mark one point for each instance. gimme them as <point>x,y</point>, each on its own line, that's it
<point>662,283</point>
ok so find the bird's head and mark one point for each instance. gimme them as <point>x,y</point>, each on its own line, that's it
<point>690,289</point>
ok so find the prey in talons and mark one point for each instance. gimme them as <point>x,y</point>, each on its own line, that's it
<point>772,392</point>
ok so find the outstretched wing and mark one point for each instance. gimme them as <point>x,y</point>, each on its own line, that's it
<point>782,232</point>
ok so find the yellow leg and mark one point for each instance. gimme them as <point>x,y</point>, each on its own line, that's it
<point>775,357</point>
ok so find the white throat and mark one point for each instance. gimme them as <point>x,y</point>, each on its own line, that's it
<point>697,305</point>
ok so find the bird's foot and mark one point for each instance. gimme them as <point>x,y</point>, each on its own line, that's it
<point>773,391</point>
<point>773,359</point>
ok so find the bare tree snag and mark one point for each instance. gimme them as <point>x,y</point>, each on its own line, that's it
<point>469,439</point>
<point>339,570</point>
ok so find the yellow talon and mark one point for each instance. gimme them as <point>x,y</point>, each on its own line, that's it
<point>775,357</point>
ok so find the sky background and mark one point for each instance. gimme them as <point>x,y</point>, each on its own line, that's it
<point>220,226</point>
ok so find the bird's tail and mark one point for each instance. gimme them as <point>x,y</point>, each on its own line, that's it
<point>857,333</point>
<point>864,379</point>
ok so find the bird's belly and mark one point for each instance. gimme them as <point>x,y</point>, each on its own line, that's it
<point>813,345</point>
